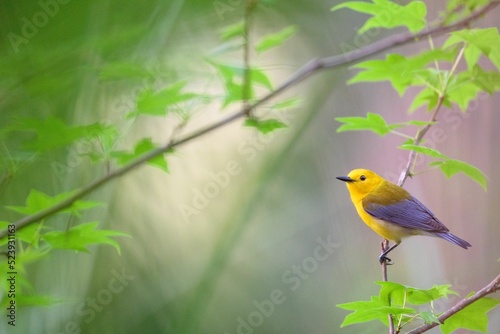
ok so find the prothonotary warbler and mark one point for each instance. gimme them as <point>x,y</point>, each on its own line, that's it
<point>391,211</point>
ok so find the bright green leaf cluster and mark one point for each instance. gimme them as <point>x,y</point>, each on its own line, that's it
<point>473,317</point>
<point>143,146</point>
<point>272,40</point>
<point>233,77</point>
<point>52,133</point>
<point>388,14</point>
<point>161,102</point>
<point>265,126</point>
<point>405,303</point>
<point>449,166</point>
<point>39,201</point>
<point>453,87</point>
<point>458,9</point>
<point>81,236</point>
<point>402,72</point>
<point>372,122</point>
<point>478,42</point>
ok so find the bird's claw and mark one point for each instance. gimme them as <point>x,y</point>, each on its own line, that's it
<point>384,259</point>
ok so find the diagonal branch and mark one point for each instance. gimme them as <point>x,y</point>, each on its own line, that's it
<point>312,67</point>
<point>492,287</point>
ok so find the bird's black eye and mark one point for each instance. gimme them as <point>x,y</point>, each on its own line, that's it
<point>362,177</point>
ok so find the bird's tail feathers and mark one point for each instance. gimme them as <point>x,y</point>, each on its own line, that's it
<point>453,238</point>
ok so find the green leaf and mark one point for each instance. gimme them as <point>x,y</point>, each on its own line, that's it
<point>388,14</point>
<point>488,81</point>
<point>462,89</point>
<point>473,317</point>
<point>233,77</point>
<point>392,293</point>
<point>81,236</point>
<point>478,41</point>
<point>370,310</point>
<point>451,167</point>
<point>143,146</point>
<point>402,72</point>
<point>232,31</point>
<point>260,77</point>
<point>38,201</point>
<point>265,126</point>
<point>420,123</point>
<point>107,141</point>
<point>458,9</point>
<point>161,102</point>
<point>372,122</point>
<point>429,317</point>
<point>426,96</point>
<point>273,40</point>
<point>424,150</point>
<point>52,133</point>
<point>287,104</point>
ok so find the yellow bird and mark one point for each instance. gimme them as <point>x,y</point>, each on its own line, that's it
<point>391,211</point>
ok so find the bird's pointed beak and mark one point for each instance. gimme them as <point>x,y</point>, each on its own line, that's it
<point>345,178</point>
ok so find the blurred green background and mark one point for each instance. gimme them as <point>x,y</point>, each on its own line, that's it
<point>276,244</point>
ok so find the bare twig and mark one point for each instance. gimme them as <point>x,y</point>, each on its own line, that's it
<point>408,170</point>
<point>492,287</point>
<point>384,246</point>
<point>312,67</point>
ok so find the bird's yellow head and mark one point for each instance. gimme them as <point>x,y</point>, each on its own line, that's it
<point>361,182</point>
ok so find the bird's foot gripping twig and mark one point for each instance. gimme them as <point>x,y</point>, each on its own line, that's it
<point>383,257</point>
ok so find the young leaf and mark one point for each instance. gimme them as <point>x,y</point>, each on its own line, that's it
<point>273,40</point>
<point>429,317</point>
<point>140,148</point>
<point>424,150</point>
<point>233,77</point>
<point>388,14</point>
<point>265,126</point>
<point>81,236</point>
<point>451,167</point>
<point>485,41</point>
<point>52,133</point>
<point>38,201</point>
<point>462,89</point>
<point>159,103</point>
<point>488,81</point>
<point>473,317</point>
<point>371,310</point>
<point>232,31</point>
<point>373,122</point>
<point>426,96</point>
<point>399,70</point>
<point>287,104</point>
<point>30,234</point>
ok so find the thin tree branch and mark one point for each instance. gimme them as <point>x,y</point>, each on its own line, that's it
<point>492,287</point>
<point>312,67</point>
<point>384,246</point>
<point>407,171</point>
